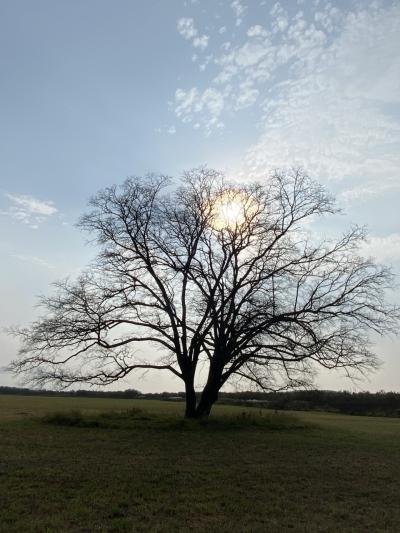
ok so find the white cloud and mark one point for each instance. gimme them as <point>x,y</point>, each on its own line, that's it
<point>371,189</point>
<point>201,42</point>
<point>280,18</point>
<point>256,31</point>
<point>332,115</point>
<point>384,249</point>
<point>33,260</point>
<point>29,210</point>
<point>32,205</point>
<point>327,17</point>
<point>213,101</point>
<point>250,54</point>
<point>239,10</point>
<point>247,95</point>
<point>185,102</point>
<point>206,107</point>
<point>186,28</point>
<point>188,31</point>
<point>326,85</point>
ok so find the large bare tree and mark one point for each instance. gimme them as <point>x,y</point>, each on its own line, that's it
<point>222,278</point>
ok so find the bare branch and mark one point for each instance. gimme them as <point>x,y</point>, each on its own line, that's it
<point>212,273</point>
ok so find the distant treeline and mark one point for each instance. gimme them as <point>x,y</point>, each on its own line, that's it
<point>355,403</point>
<point>129,393</point>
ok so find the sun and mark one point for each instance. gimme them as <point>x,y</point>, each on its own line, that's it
<point>230,210</point>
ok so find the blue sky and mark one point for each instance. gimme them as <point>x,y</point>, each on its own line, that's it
<point>93,91</point>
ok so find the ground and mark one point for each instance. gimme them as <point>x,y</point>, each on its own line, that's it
<point>147,471</point>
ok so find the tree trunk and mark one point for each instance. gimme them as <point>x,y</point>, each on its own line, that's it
<point>209,396</point>
<point>190,411</point>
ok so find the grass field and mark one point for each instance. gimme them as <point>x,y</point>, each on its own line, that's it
<point>147,471</point>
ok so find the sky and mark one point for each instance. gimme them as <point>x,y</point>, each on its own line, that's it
<point>93,91</point>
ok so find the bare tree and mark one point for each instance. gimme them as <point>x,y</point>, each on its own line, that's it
<point>222,278</point>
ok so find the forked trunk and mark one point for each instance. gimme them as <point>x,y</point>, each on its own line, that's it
<point>208,397</point>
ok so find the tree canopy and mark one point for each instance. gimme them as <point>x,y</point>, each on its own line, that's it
<point>222,279</point>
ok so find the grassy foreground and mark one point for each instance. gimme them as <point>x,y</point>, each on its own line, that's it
<point>145,470</point>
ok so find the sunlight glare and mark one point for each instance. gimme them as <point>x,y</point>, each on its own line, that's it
<point>230,210</point>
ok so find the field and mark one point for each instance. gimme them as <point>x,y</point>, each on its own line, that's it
<point>146,470</point>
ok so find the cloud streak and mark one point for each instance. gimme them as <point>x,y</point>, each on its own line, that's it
<point>33,260</point>
<point>385,249</point>
<point>29,210</point>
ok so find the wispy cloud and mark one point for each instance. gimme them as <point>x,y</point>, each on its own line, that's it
<point>333,114</point>
<point>385,249</point>
<point>326,86</point>
<point>33,260</point>
<point>200,108</point>
<point>239,10</point>
<point>29,210</point>
<point>365,190</point>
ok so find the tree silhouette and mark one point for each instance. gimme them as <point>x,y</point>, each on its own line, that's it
<point>222,278</point>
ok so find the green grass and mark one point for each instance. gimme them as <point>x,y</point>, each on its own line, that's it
<point>86,465</point>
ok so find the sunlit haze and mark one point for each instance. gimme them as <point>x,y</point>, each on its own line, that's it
<point>230,210</point>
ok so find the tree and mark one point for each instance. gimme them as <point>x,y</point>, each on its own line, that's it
<point>222,278</point>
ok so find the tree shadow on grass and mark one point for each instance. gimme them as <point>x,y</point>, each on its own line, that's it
<point>136,418</point>
<point>109,419</point>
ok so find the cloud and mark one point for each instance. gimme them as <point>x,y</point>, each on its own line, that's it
<point>364,191</point>
<point>250,54</point>
<point>185,103</point>
<point>201,42</point>
<point>204,108</point>
<point>256,31</point>
<point>33,260</point>
<point>247,95</point>
<point>239,10</point>
<point>280,18</point>
<point>32,205</point>
<point>169,129</point>
<point>385,249</point>
<point>186,28</point>
<point>29,210</point>
<point>326,86</point>
<point>333,114</point>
